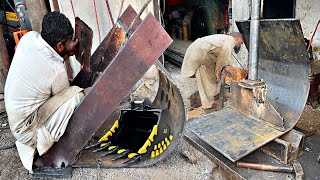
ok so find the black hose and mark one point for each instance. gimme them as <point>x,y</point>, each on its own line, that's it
<point>5,127</point>
<point>7,147</point>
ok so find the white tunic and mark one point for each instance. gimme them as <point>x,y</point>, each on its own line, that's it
<point>37,72</point>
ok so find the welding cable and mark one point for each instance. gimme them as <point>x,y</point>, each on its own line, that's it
<point>237,60</point>
<point>5,127</point>
<point>97,20</point>
<point>74,14</point>
<point>111,34</point>
<point>109,11</point>
<point>314,32</point>
<point>8,147</point>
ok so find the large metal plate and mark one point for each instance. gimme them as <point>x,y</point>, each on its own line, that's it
<point>133,60</point>
<point>283,64</point>
<point>232,133</point>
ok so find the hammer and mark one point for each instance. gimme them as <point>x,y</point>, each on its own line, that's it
<point>296,168</point>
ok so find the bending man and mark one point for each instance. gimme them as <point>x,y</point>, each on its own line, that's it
<point>205,59</point>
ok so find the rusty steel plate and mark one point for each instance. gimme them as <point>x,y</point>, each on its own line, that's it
<point>231,133</point>
<point>107,50</point>
<point>138,54</point>
<point>284,66</point>
<point>84,34</point>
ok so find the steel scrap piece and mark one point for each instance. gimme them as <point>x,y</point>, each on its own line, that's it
<point>131,62</point>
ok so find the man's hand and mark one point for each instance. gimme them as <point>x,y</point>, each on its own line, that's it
<point>229,71</point>
<point>86,90</point>
<point>218,75</point>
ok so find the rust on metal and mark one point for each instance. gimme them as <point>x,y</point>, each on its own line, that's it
<point>133,60</point>
<point>55,5</point>
<point>84,34</point>
<point>107,50</point>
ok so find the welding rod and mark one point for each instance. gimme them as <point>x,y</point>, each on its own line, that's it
<point>265,167</point>
<point>139,14</point>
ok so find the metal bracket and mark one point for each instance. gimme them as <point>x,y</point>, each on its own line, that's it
<point>287,147</point>
<point>50,172</point>
<point>252,102</point>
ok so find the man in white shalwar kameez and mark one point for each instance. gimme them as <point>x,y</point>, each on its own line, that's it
<point>205,59</point>
<point>38,99</point>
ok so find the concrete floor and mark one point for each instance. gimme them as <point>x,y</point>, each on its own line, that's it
<point>185,162</point>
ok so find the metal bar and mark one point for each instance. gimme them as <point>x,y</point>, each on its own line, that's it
<point>4,61</point>
<point>36,9</point>
<point>54,5</point>
<point>84,34</point>
<point>138,15</point>
<point>265,167</point>
<point>135,58</point>
<point>107,50</point>
<point>254,39</point>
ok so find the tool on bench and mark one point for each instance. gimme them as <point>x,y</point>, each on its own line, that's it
<point>296,168</point>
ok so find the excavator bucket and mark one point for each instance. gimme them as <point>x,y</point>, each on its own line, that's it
<point>250,122</point>
<point>122,58</point>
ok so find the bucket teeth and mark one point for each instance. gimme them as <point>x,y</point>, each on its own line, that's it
<point>94,145</point>
<point>132,160</point>
<point>121,155</point>
<point>111,150</point>
<point>104,147</point>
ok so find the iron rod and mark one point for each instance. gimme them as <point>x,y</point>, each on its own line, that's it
<point>254,40</point>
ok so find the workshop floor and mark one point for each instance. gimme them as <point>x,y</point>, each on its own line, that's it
<point>185,162</point>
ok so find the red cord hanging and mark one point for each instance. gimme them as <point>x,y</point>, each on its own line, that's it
<point>74,14</point>
<point>314,32</point>
<point>97,20</point>
<point>110,15</point>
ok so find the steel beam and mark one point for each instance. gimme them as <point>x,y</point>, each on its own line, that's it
<point>133,60</point>
<point>254,40</point>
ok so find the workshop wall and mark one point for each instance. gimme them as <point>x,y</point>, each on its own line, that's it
<point>306,10</point>
<point>212,9</point>
<point>308,13</point>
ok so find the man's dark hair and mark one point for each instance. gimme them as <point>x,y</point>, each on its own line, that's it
<point>56,27</point>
